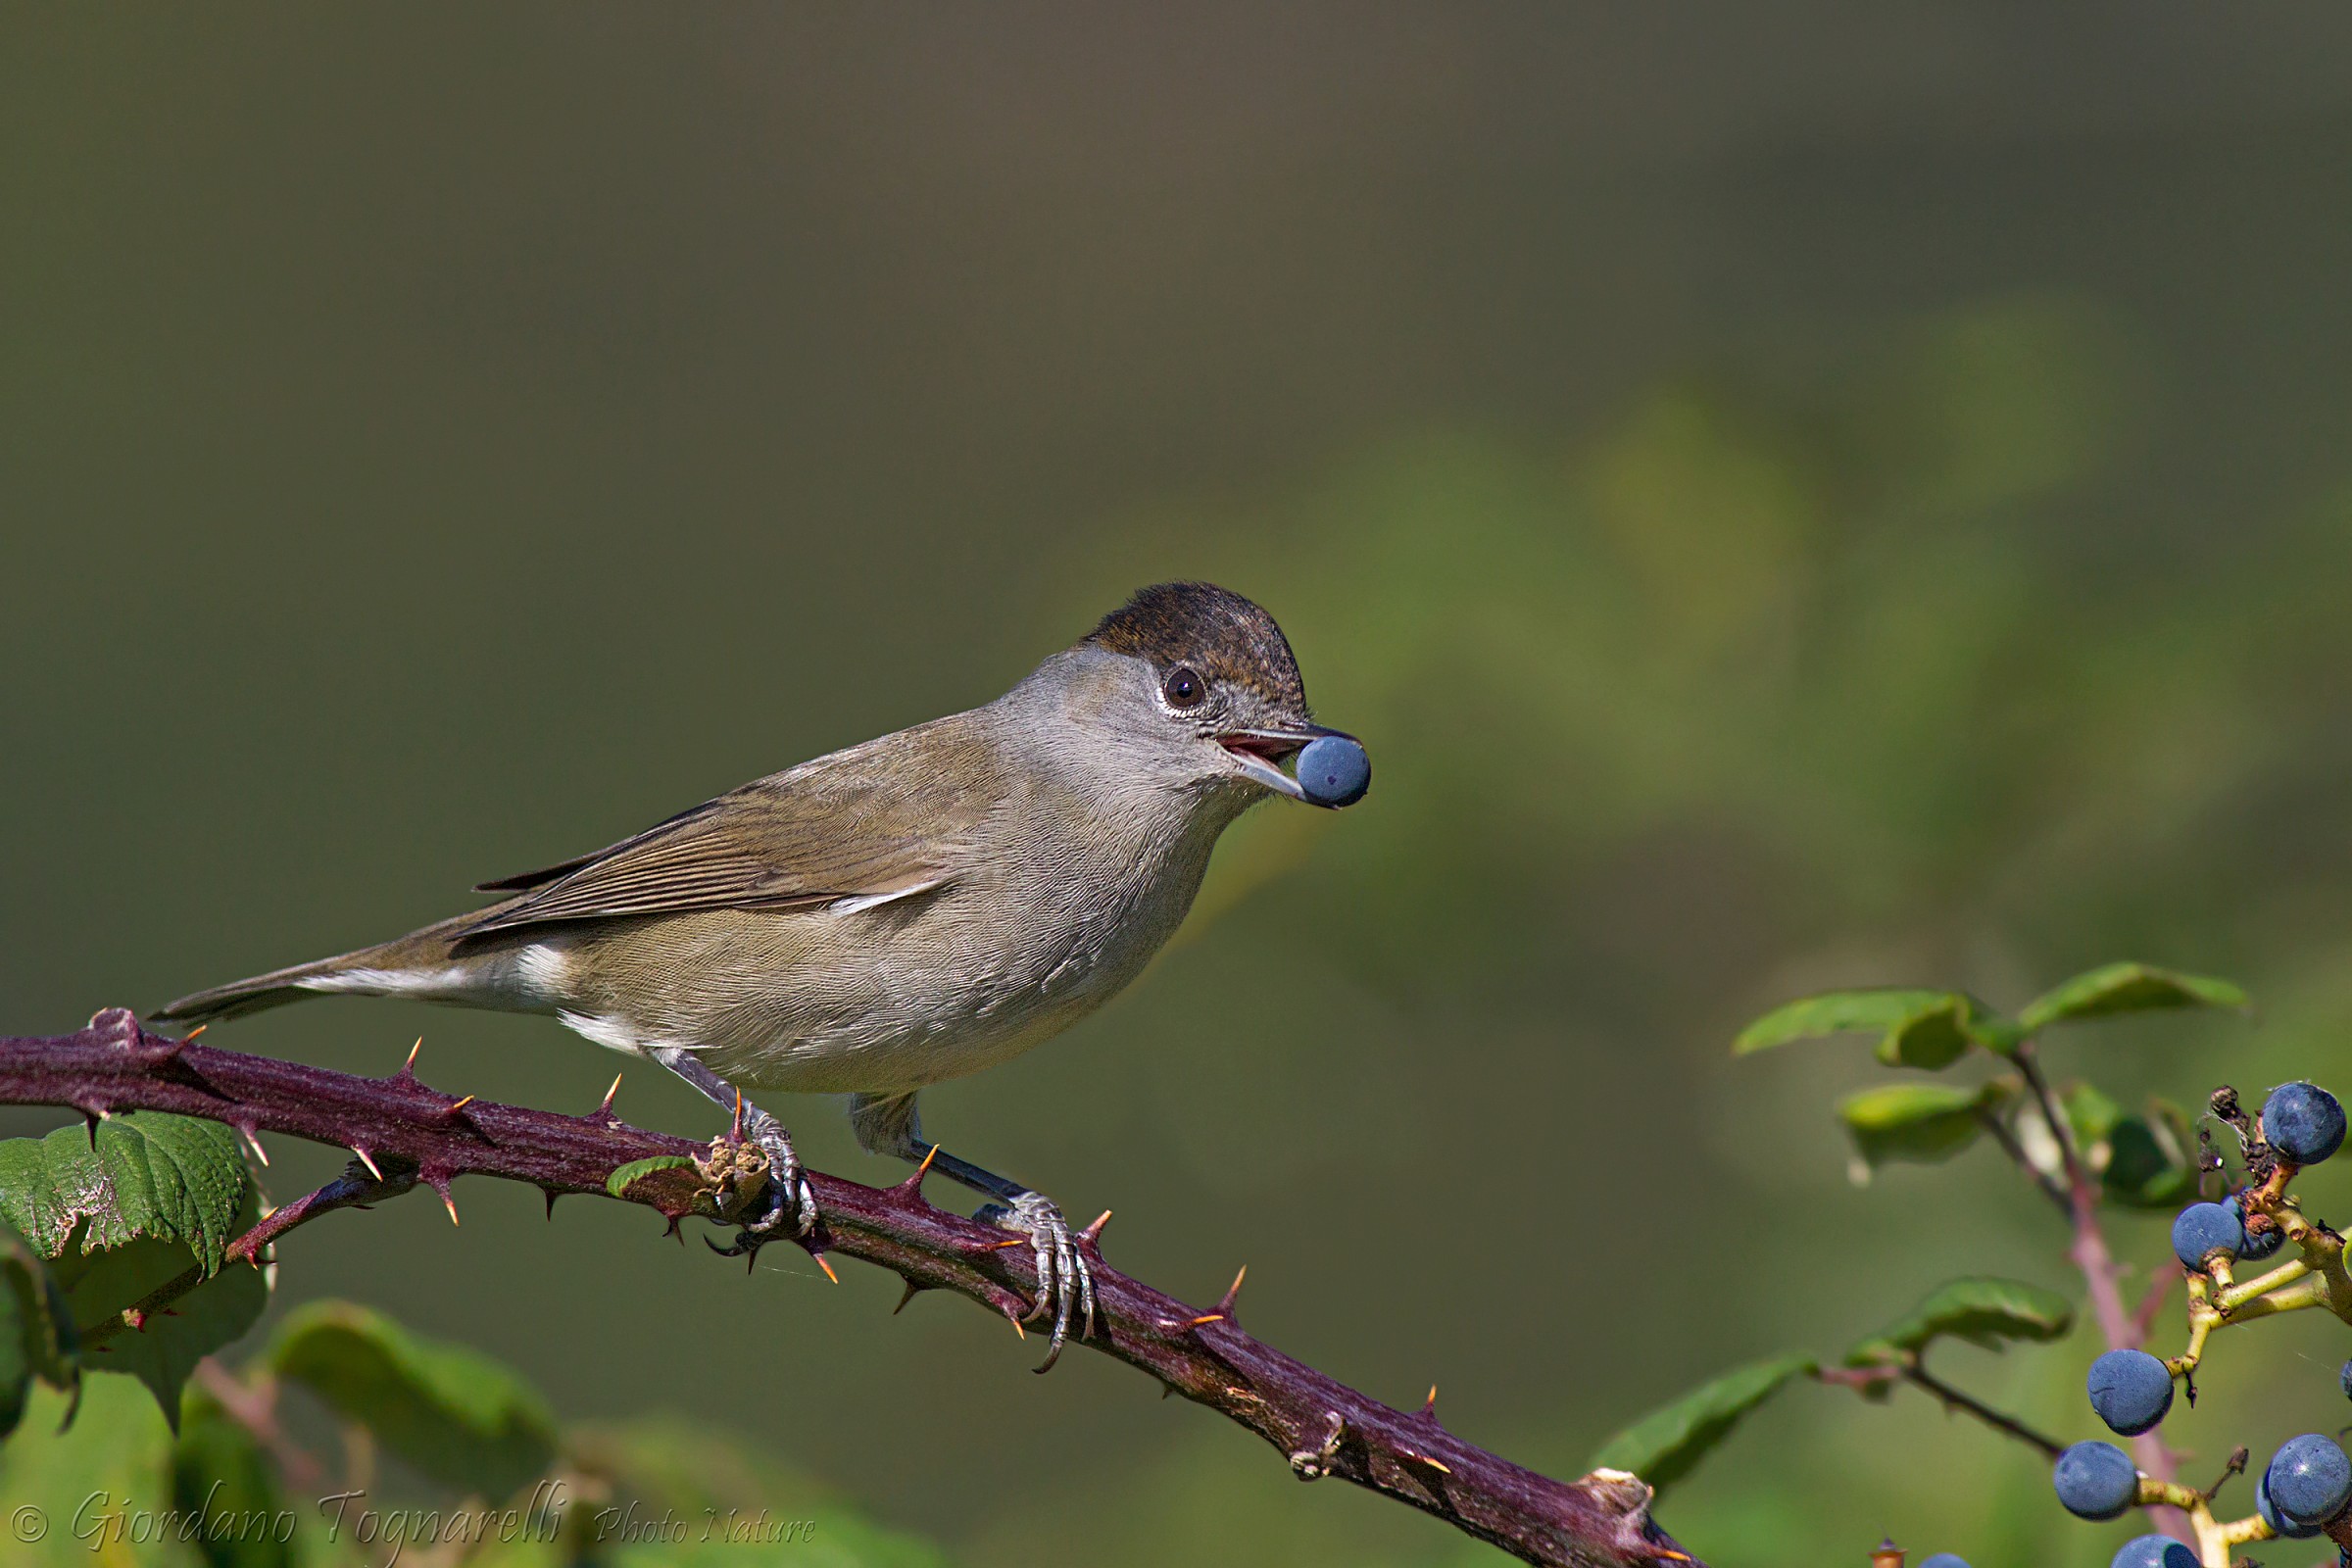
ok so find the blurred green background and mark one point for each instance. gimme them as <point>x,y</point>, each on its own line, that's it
<point>1791,497</point>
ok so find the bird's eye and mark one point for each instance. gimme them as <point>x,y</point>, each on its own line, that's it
<point>1183,688</point>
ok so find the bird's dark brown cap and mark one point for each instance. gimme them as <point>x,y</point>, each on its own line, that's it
<point>1213,629</point>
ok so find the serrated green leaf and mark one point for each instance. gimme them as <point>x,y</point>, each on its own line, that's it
<point>1981,1311</point>
<point>1665,1444</point>
<point>126,1210</point>
<point>2127,988</point>
<point>140,1175</point>
<point>1926,1029</point>
<point>1919,1122</point>
<point>36,1330</point>
<point>617,1183</point>
<point>454,1413</point>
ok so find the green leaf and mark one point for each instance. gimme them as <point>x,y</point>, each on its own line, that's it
<point>1981,1311</point>
<point>36,1330</point>
<point>122,1210</point>
<point>164,1352</point>
<point>1928,1029</point>
<point>2151,1161</point>
<point>455,1414</point>
<point>2089,1112</point>
<point>2127,988</point>
<point>1665,1444</point>
<point>617,1183</point>
<point>142,1174</point>
<point>226,1488</point>
<point>113,1460</point>
<point>1919,1122</point>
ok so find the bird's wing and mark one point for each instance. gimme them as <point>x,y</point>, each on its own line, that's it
<point>876,822</point>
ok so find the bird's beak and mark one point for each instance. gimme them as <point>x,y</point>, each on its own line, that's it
<point>1262,751</point>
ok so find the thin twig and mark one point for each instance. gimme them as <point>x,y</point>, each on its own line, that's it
<point>1954,1399</point>
<point>2007,1139</point>
<point>418,1136</point>
<point>1872,1379</point>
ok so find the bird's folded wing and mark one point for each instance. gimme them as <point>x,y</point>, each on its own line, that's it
<point>839,830</point>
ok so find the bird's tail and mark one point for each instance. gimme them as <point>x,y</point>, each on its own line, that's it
<point>420,965</point>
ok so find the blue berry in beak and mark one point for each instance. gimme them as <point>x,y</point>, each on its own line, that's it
<point>1332,770</point>
<point>2303,1122</point>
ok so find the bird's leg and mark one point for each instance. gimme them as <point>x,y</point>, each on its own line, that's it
<point>789,1197</point>
<point>886,1124</point>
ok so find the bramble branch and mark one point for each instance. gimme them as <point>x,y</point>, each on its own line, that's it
<point>403,1134</point>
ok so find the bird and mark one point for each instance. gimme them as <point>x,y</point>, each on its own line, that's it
<point>900,912</point>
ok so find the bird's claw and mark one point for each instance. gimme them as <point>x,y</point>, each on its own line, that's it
<point>1065,1282</point>
<point>789,1197</point>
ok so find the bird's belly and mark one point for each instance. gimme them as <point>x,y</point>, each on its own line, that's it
<point>860,1004</point>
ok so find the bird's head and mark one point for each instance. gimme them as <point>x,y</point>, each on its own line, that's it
<point>1198,687</point>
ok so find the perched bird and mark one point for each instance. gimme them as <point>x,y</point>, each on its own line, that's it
<point>904,912</point>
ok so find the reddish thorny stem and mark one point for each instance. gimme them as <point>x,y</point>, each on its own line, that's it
<point>407,1133</point>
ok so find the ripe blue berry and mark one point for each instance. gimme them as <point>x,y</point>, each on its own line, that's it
<point>2095,1481</point>
<point>1945,1559</point>
<point>2254,1250</point>
<point>2303,1122</point>
<point>2154,1551</point>
<point>2203,1229</point>
<point>2270,1515</point>
<point>2308,1480</point>
<point>2344,1377</point>
<point>1332,770</point>
<point>2130,1390</point>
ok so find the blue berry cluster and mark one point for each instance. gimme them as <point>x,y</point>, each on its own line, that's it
<point>2302,1124</point>
<point>2308,1483</point>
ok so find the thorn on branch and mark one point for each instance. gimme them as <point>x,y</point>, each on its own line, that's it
<point>438,1181</point>
<point>912,1188</point>
<point>1429,1409</point>
<point>1231,1294</point>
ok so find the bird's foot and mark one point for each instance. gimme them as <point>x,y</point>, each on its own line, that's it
<point>1065,1283</point>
